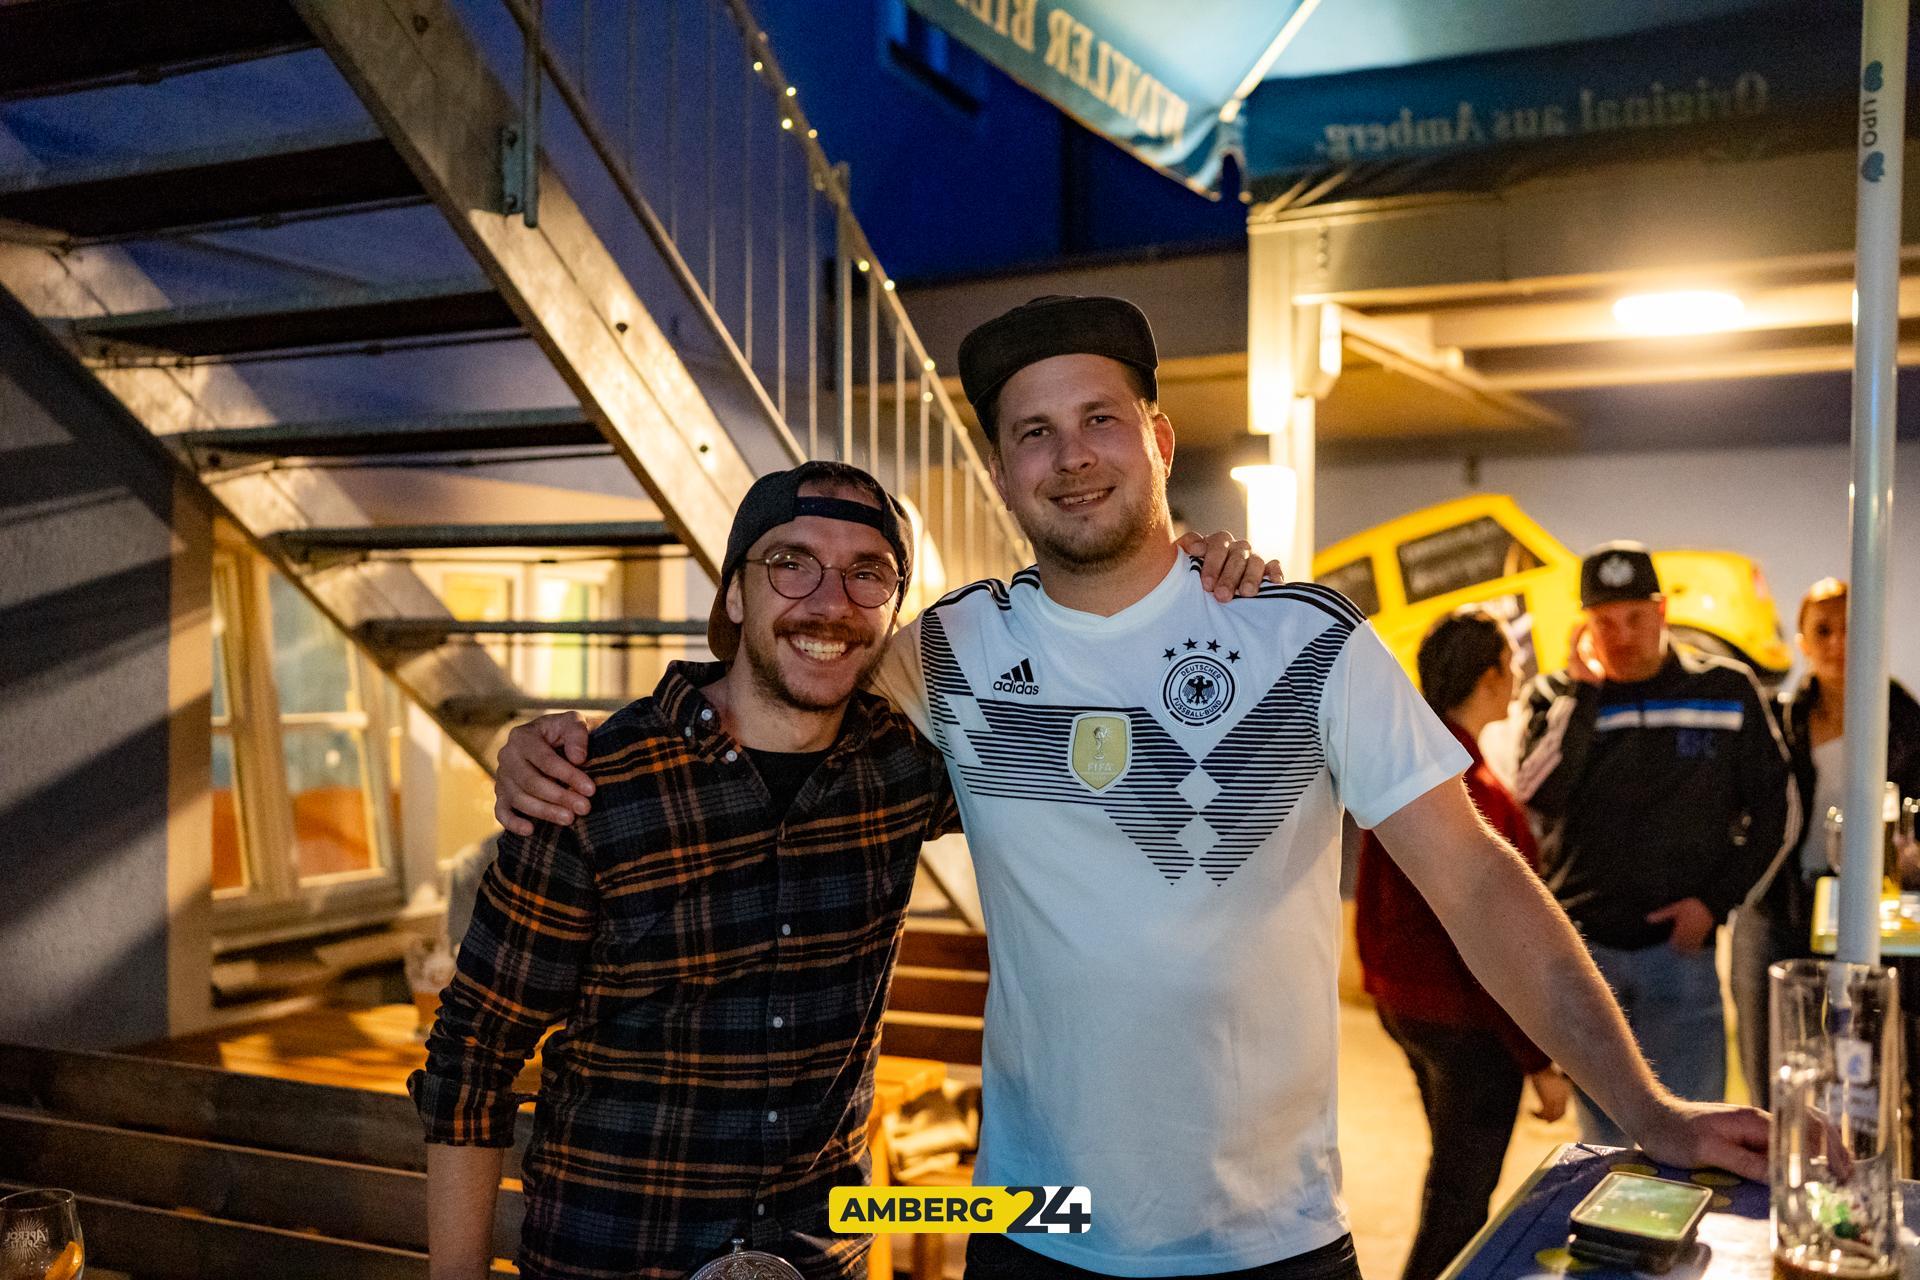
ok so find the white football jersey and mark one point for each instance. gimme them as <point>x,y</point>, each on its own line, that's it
<point>1153,804</point>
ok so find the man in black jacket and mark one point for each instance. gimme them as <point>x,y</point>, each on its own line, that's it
<point>1662,789</point>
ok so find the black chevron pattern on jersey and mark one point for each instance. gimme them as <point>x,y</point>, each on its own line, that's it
<point>1325,599</point>
<point>1261,767</point>
<point>1266,762</point>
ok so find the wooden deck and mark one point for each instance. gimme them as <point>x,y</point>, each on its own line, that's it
<point>376,1048</point>
<point>373,1048</point>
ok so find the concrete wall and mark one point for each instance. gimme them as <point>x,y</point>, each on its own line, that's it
<point>1785,506</point>
<point>103,682</point>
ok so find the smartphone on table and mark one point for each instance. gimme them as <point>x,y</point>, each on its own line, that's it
<point>1637,1222</point>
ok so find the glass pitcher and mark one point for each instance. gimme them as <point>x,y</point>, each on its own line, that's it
<point>1837,1080</point>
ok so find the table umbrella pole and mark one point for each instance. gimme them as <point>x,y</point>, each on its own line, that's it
<point>1882,147</point>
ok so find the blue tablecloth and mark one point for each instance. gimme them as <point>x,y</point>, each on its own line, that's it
<point>1527,1241</point>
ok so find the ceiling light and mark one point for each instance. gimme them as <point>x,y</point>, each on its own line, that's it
<point>1678,312</point>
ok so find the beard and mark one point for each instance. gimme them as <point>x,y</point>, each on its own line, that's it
<point>1082,547</point>
<point>762,650</point>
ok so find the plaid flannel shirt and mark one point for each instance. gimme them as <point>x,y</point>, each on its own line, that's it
<point>718,977</point>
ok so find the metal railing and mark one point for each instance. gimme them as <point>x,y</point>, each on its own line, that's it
<point>705,142</point>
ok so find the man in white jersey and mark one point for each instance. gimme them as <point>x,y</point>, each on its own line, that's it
<point>1151,782</point>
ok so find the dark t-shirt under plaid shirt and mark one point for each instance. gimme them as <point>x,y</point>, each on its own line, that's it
<point>718,975</point>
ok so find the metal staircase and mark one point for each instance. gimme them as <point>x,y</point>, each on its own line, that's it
<point>255,219</point>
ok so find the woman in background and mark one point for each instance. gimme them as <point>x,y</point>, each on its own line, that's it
<point>1466,1053</point>
<point>1777,921</point>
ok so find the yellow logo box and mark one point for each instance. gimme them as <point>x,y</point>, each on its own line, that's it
<point>911,1210</point>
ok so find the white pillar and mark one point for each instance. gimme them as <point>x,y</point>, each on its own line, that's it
<point>1286,369</point>
<point>1882,146</point>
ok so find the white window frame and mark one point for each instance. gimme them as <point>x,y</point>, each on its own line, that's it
<point>275,904</point>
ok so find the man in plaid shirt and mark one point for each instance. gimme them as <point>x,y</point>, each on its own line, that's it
<point>714,940</point>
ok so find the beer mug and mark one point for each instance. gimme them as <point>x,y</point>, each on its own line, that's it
<point>1837,1080</point>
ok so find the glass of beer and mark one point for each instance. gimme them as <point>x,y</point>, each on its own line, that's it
<point>40,1237</point>
<point>1836,1133</point>
<point>429,965</point>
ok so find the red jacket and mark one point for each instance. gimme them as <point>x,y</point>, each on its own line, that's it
<point>1412,967</point>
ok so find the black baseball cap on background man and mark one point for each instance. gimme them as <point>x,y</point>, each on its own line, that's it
<point>1616,571</point>
<point>775,499</point>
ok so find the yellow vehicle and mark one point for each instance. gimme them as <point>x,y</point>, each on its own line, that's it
<point>1485,550</point>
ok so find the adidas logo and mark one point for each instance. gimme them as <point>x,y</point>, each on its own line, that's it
<point>1018,680</point>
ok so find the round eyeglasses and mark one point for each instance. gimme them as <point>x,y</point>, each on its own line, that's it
<point>797,575</point>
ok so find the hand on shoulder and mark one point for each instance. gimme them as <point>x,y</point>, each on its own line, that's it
<point>535,781</point>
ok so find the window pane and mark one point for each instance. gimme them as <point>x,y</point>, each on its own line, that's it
<point>220,709</point>
<point>480,597</point>
<point>229,867</point>
<point>561,665</point>
<point>1354,580</point>
<point>328,785</point>
<point>1461,557</point>
<point>229,838</point>
<point>310,656</point>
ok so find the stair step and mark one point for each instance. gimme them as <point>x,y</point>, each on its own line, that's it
<point>338,317</point>
<point>496,711</point>
<point>429,633</point>
<point>929,989</point>
<point>946,1037</point>
<point>618,534</point>
<point>942,944</point>
<point>370,437</point>
<point>57,46</point>
<point>263,178</point>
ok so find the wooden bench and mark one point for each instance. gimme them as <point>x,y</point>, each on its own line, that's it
<point>285,1148</point>
<point>187,1172</point>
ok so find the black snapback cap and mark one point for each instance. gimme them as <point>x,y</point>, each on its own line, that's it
<point>1616,571</point>
<point>1056,325</point>
<point>775,499</point>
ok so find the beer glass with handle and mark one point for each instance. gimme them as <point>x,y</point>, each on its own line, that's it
<point>1837,1080</point>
